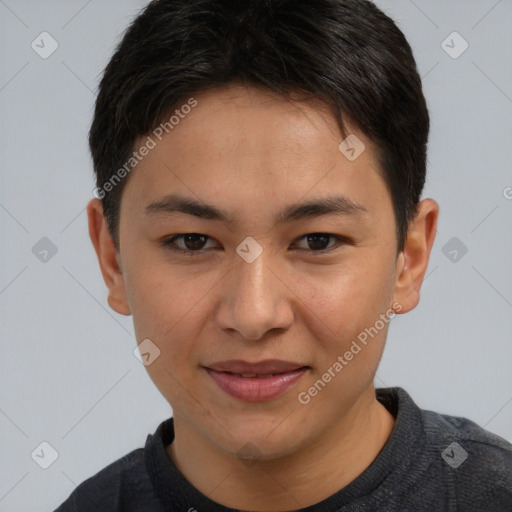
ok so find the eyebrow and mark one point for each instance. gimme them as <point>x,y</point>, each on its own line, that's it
<point>334,205</point>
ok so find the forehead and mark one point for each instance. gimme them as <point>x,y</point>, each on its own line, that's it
<point>253,115</point>
<point>246,145</point>
<point>239,120</point>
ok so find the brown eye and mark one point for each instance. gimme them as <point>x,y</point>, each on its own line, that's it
<point>190,242</point>
<point>194,241</point>
<point>317,242</point>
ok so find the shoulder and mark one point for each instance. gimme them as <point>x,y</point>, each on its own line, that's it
<point>476,462</point>
<point>443,429</point>
<point>122,485</point>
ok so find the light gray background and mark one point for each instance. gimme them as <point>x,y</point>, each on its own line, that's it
<point>68,374</point>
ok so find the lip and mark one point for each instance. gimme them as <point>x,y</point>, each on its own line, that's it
<point>259,386</point>
<point>259,368</point>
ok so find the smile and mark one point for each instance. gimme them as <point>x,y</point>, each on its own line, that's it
<point>258,385</point>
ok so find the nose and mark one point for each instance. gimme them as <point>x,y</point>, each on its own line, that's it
<point>255,300</point>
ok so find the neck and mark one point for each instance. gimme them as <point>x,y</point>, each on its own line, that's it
<point>296,481</point>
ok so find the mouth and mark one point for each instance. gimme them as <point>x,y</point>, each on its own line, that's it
<point>255,382</point>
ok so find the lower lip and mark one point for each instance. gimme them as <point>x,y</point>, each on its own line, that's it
<point>255,389</point>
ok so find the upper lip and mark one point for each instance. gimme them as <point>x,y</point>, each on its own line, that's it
<point>259,368</point>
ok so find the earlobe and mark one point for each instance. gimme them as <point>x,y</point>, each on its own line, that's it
<point>108,258</point>
<point>412,262</point>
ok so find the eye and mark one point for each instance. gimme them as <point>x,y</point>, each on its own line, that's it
<point>318,242</point>
<point>192,242</point>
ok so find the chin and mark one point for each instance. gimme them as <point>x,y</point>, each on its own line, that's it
<point>258,439</point>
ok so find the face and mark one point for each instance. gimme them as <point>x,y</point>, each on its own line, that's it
<point>248,275</point>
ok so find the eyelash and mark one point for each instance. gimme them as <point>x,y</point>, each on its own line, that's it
<point>168,243</point>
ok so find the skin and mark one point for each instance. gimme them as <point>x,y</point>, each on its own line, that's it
<point>252,154</point>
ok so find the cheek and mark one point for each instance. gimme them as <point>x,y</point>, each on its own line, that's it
<point>170,307</point>
<point>340,303</point>
<point>345,319</point>
<point>159,296</point>
<point>165,309</point>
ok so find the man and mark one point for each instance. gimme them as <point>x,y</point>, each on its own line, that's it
<point>259,170</point>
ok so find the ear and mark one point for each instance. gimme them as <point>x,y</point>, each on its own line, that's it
<point>108,258</point>
<point>413,260</point>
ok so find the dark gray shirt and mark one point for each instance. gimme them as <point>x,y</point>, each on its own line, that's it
<point>431,462</point>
